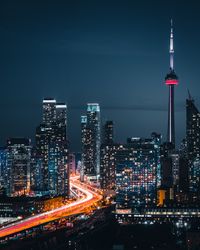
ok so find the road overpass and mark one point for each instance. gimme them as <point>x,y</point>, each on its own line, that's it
<point>88,198</point>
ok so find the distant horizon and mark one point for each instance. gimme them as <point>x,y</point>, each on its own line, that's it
<point>82,108</point>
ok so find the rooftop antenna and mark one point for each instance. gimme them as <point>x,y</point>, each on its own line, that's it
<point>171,50</point>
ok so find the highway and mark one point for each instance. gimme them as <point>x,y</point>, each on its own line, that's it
<point>86,199</point>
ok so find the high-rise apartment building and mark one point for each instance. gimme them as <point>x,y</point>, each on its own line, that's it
<point>108,133</point>
<point>175,169</point>
<point>18,166</point>
<point>193,144</point>
<point>137,164</point>
<point>72,163</point>
<point>86,141</point>
<point>192,129</point>
<point>36,171</point>
<point>49,111</point>
<point>3,161</point>
<point>90,126</point>
<point>107,163</point>
<point>43,142</point>
<point>52,148</point>
<point>194,177</point>
<point>61,144</point>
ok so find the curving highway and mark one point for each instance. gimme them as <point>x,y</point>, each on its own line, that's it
<point>86,199</point>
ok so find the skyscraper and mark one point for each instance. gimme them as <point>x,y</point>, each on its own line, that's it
<point>72,163</point>
<point>175,169</point>
<point>61,144</point>
<point>3,182</point>
<point>49,111</point>
<point>45,137</point>
<point>42,138</point>
<point>108,133</point>
<point>36,171</point>
<point>166,165</point>
<point>107,163</point>
<point>52,148</point>
<point>61,119</point>
<point>156,139</point>
<point>137,163</point>
<point>171,80</point>
<point>194,177</point>
<point>85,142</point>
<point>93,122</point>
<point>193,144</point>
<point>183,175</point>
<point>18,166</point>
<point>90,126</point>
<point>192,129</point>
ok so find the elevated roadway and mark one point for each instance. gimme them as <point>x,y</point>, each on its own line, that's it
<point>88,197</point>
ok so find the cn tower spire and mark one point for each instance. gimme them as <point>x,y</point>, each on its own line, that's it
<point>171,48</point>
<point>171,80</point>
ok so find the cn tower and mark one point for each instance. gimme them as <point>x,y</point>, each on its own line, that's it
<point>171,80</point>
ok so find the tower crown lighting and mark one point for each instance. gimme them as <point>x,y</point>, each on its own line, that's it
<point>171,78</point>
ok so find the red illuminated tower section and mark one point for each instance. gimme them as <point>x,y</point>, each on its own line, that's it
<point>171,80</point>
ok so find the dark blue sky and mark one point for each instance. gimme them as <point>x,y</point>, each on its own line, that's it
<point>111,52</point>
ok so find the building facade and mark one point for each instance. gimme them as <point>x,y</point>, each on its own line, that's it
<point>193,145</point>
<point>18,166</point>
<point>107,159</point>
<point>52,149</point>
<point>90,132</point>
<point>137,164</point>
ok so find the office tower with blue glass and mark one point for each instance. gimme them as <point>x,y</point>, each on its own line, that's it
<point>90,126</point>
<point>18,166</point>
<point>52,148</point>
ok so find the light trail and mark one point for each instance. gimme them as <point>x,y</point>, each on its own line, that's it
<point>87,200</point>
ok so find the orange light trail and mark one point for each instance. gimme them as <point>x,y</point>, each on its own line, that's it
<point>85,201</point>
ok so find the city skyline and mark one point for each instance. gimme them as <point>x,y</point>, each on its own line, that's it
<point>81,62</point>
<point>99,147</point>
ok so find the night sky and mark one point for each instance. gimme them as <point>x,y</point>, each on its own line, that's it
<point>111,52</point>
